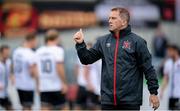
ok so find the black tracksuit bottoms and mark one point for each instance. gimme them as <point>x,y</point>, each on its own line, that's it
<point>120,107</point>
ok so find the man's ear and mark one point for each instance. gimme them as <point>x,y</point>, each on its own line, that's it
<point>124,22</point>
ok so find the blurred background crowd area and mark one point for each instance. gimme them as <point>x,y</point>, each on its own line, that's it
<point>157,21</point>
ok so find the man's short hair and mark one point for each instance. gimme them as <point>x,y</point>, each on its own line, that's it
<point>174,47</point>
<point>3,47</point>
<point>30,36</point>
<point>51,35</point>
<point>124,13</point>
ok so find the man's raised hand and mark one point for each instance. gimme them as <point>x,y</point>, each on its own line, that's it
<point>78,37</point>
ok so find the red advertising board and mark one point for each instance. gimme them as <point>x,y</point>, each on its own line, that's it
<point>18,19</point>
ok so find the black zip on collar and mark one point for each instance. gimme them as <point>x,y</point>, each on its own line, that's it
<point>123,32</point>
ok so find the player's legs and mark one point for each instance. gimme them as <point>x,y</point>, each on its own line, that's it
<point>45,101</point>
<point>60,103</point>
<point>45,106</point>
<point>173,104</point>
<point>53,101</point>
<point>5,103</point>
<point>93,101</point>
<point>26,99</point>
<point>120,107</point>
<point>81,101</point>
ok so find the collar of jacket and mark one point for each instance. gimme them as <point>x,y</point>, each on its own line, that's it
<point>123,32</point>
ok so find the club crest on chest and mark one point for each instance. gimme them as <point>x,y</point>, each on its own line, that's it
<point>126,45</point>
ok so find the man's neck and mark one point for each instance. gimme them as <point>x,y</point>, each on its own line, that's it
<point>26,45</point>
<point>51,44</point>
<point>176,58</point>
<point>116,34</point>
<point>117,31</point>
<point>2,59</point>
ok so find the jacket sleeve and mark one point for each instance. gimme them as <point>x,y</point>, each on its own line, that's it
<point>88,56</point>
<point>145,64</point>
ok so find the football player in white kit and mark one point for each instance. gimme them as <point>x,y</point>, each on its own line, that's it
<point>5,66</point>
<point>81,76</point>
<point>52,83</point>
<point>88,79</point>
<point>24,67</point>
<point>93,83</point>
<point>172,77</point>
<point>93,86</point>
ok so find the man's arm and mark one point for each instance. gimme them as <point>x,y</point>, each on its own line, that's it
<point>33,70</point>
<point>145,64</point>
<point>86,56</point>
<point>88,79</point>
<point>167,69</point>
<point>164,84</point>
<point>59,58</point>
<point>34,73</point>
<point>12,77</point>
<point>61,72</point>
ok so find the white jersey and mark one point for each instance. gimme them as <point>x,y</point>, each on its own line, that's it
<point>95,76</point>
<point>172,69</point>
<point>4,76</point>
<point>81,80</point>
<point>23,58</point>
<point>48,57</point>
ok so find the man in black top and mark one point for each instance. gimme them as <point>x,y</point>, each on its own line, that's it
<point>125,58</point>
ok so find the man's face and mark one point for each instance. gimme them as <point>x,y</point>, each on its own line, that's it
<point>115,21</point>
<point>56,41</point>
<point>34,43</point>
<point>6,53</point>
<point>170,52</point>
